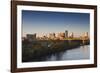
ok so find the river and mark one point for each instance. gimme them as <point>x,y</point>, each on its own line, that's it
<point>82,52</point>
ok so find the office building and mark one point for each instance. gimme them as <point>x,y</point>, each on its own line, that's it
<point>31,37</point>
<point>66,34</point>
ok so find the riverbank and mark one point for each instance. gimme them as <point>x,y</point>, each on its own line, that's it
<point>32,51</point>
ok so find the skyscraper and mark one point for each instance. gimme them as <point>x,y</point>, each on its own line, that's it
<point>66,34</point>
<point>86,34</point>
<point>52,35</point>
<point>71,35</point>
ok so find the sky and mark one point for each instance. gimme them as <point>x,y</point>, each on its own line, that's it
<point>54,22</point>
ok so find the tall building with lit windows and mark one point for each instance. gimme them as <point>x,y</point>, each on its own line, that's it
<point>51,35</point>
<point>71,35</point>
<point>86,34</point>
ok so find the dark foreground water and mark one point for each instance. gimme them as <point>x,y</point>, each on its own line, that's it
<point>79,53</point>
<point>82,52</point>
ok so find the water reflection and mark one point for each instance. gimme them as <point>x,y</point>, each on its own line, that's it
<point>82,52</point>
<point>54,57</point>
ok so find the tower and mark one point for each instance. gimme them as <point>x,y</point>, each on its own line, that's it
<point>86,34</point>
<point>72,35</point>
<point>66,34</point>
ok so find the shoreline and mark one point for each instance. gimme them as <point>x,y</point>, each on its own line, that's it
<point>38,49</point>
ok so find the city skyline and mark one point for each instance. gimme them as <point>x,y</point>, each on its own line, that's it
<point>56,36</point>
<point>53,22</point>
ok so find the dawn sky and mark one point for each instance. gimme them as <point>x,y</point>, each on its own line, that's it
<point>54,22</point>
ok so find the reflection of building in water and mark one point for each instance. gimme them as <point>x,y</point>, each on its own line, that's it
<point>31,37</point>
<point>85,49</point>
<point>66,34</point>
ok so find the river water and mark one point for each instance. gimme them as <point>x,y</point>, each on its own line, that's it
<point>82,52</point>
